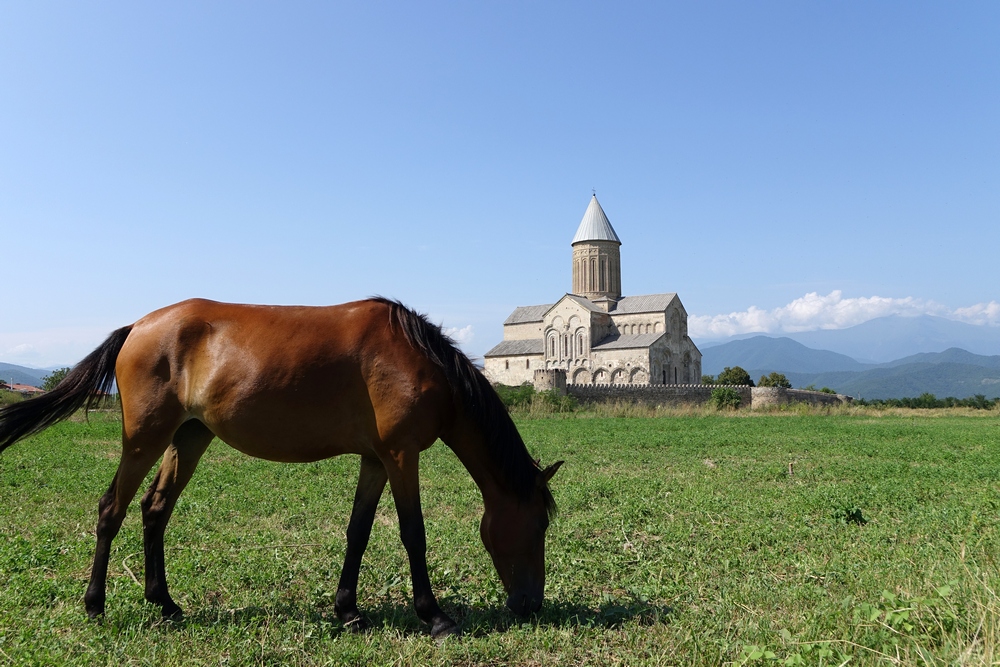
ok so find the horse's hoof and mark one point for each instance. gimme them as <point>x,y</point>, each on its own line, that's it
<point>444,628</point>
<point>353,621</point>
<point>172,612</point>
<point>357,625</point>
<point>95,611</point>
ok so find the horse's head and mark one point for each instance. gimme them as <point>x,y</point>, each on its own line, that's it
<point>513,533</point>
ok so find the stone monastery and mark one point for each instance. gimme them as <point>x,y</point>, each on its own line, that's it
<point>594,334</point>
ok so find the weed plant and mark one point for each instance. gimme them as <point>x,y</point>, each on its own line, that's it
<point>686,536</point>
<point>7,397</point>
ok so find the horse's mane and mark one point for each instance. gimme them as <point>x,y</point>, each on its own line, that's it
<point>481,401</point>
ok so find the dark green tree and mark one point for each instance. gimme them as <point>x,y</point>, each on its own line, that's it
<point>775,379</point>
<point>50,381</point>
<point>734,375</point>
<point>708,379</point>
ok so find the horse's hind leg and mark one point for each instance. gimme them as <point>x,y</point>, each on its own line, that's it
<point>139,453</point>
<point>179,461</point>
<point>371,482</point>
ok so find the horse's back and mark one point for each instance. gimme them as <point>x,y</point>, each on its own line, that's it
<point>279,382</point>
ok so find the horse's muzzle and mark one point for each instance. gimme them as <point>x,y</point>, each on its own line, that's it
<point>522,604</point>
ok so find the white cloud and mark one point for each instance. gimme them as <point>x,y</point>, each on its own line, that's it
<point>832,311</point>
<point>980,313</point>
<point>461,336</point>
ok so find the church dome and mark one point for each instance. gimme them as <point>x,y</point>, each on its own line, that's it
<point>595,226</point>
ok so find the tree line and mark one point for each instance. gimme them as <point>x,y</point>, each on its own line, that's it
<point>736,375</point>
<point>928,400</point>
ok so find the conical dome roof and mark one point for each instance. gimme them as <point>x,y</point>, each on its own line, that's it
<point>595,225</point>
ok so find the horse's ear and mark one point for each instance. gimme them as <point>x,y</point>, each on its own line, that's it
<point>551,470</point>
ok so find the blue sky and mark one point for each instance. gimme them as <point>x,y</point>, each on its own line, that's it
<point>781,166</point>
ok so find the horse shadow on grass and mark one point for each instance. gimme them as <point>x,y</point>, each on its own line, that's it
<point>474,621</point>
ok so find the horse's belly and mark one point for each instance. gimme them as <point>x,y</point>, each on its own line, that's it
<point>294,436</point>
<point>291,450</point>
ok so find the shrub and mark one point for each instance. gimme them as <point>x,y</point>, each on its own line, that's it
<point>515,397</point>
<point>708,379</point>
<point>550,401</point>
<point>524,397</point>
<point>774,380</point>
<point>725,398</point>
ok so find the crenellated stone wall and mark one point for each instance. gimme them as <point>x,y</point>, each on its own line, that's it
<point>698,394</point>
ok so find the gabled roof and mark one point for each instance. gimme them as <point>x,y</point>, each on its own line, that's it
<point>595,225</point>
<point>525,314</point>
<point>616,342</point>
<point>645,303</point>
<point>580,300</point>
<point>517,348</point>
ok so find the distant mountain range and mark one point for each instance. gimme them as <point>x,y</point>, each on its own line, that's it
<point>890,338</point>
<point>23,374</point>
<point>953,372</point>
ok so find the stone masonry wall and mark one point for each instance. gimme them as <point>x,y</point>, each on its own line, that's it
<point>551,380</point>
<point>697,394</point>
<point>779,396</point>
<point>656,394</point>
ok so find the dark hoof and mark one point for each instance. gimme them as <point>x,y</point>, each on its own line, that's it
<point>444,628</point>
<point>172,613</point>
<point>95,614</point>
<point>353,621</point>
<point>357,625</point>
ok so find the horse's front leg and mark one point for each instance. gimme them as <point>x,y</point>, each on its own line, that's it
<point>371,482</point>
<point>405,484</point>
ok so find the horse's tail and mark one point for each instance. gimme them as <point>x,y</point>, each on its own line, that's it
<point>83,386</point>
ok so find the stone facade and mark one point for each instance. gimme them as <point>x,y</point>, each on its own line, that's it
<point>594,334</point>
<point>551,380</point>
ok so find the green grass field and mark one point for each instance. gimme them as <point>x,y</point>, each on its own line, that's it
<point>789,538</point>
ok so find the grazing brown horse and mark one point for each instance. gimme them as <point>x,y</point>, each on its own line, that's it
<point>300,384</point>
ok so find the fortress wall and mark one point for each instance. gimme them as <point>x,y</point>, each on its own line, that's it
<point>698,394</point>
<point>654,394</point>
<point>763,396</point>
<point>551,380</point>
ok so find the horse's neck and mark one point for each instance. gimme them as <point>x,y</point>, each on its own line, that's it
<point>471,447</point>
